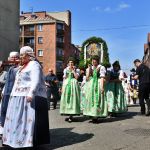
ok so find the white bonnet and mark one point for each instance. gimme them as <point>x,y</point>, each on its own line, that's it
<point>13,54</point>
<point>1,63</point>
<point>27,50</point>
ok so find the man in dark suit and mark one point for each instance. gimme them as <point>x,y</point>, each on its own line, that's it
<point>143,74</point>
<point>51,82</point>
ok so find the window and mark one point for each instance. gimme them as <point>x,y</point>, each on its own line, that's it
<point>20,29</point>
<point>60,52</point>
<point>59,66</point>
<point>60,26</point>
<point>40,52</point>
<point>31,41</point>
<point>31,28</point>
<point>60,39</point>
<point>40,40</point>
<point>40,27</point>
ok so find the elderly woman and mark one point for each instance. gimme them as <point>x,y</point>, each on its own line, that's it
<point>26,123</point>
<point>10,78</point>
<point>2,77</point>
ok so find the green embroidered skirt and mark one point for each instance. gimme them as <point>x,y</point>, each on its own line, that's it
<point>116,98</point>
<point>93,102</point>
<point>70,99</point>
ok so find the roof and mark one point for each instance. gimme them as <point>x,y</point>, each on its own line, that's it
<point>35,19</point>
<point>62,15</point>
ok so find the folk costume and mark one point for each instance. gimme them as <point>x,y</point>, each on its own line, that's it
<point>26,123</point>
<point>95,103</point>
<point>116,97</point>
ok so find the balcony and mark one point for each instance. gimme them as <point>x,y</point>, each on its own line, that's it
<point>60,41</point>
<point>59,66</point>
<point>60,44</point>
<point>60,32</point>
<point>29,44</point>
<point>28,33</point>
<point>59,58</point>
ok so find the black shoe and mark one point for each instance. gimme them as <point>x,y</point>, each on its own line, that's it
<point>113,115</point>
<point>66,119</point>
<point>95,120</point>
<point>142,113</point>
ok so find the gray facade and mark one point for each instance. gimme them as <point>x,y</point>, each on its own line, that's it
<point>9,27</point>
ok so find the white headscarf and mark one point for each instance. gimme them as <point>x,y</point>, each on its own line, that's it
<point>1,63</point>
<point>13,54</point>
<point>27,50</point>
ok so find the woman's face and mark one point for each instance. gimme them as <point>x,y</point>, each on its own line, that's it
<point>71,63</point>
<point>94,62</point>
<point>24,58</point>
<point>14,58</point>
<point>116,67</point>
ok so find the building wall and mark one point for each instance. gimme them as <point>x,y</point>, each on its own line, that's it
<point>146,58</point>
<point>49,47</point>
<point>9,27</point>
<point>64,16</point>
<point>67,45</point>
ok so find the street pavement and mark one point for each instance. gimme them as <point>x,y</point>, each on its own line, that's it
<point>128,131</point>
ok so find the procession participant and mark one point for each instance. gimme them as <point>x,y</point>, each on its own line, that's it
<point>51,82</point>
<point>132,85</point>
<point>26,123</point>
<point>2,77</point>
<point>10,79</point>
<point>82,74</point>
<point>95,100</point>
<point>70,98</point>
<point>143,74</point>
<point>82,86</point>
<point>115,92</point>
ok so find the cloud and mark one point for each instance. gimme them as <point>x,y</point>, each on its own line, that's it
<point>97,8</point>
<point>123,6</point>
<point>109,9</point>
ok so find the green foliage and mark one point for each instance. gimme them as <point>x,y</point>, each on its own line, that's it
<point>94,39</point>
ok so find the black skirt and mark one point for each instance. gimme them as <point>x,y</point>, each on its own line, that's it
<point>41,129</point>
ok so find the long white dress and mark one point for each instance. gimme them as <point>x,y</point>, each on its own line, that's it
<point>19,125</point>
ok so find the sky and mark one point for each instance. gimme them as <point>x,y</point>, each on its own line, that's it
<point>123,24</point>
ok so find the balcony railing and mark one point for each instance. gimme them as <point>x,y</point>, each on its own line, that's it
<point>60,58</point>
<point>60,44</point>
<point>60,32</point>
<point>27,33</point>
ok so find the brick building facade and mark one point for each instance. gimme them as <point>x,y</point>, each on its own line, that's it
<point>146,58</point>
<point>49,34</point>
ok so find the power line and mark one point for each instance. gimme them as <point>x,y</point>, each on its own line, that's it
<point>113,28</point>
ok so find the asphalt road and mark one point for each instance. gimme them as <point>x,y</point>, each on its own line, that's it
<point>128,131</point>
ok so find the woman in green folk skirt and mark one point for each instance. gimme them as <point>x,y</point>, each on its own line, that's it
<point>95,104</point>
<point>70,98</point>
<point>116,98</point>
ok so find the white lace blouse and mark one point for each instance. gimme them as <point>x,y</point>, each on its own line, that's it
<point>30,81</point>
